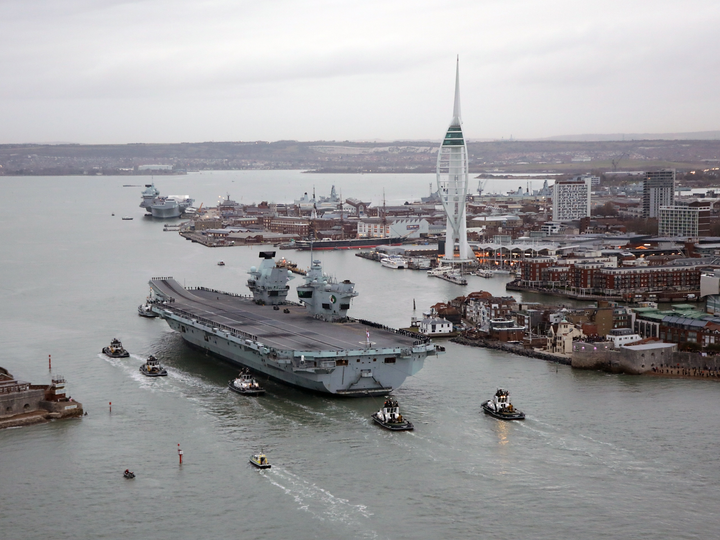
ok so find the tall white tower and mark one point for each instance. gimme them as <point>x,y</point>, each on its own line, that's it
<point>452,181</point>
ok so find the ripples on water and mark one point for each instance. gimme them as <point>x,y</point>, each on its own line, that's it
<point>599,456</point>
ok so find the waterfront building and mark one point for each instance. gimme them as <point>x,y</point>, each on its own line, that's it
<point>621,337</point>
<point>452,182</point>
<point>658,190</point>
<point>571,199</point>
<point>392,228</point>
<point>433,324</point>
<point>684,221</point>
<point>560,337</point>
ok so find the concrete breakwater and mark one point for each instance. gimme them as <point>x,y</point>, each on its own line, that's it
<point>512,348</point>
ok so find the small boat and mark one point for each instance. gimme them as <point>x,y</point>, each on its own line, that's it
<point>245,384</point>
<point>260,461</point>
<point>115,350</point>
<point>152,368</point>
<point>484,273</point>
<point>128,474</point>
<point>390,418</point>
<point>221,263</point>
<point>500,407</point>
<point>127,218</point>
<point>145,310</point>
<point>395,262</point>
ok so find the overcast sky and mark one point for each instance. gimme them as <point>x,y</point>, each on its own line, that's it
<point>112,71</point>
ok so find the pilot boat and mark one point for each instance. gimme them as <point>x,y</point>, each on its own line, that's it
<point>245,384</point>
<point>500,407</point>
<point>152,368</point>
<point>115,350</point>
<point>260,461</point>
<point>390,418</point>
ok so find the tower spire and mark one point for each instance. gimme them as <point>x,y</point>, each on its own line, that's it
<point>456,121</point>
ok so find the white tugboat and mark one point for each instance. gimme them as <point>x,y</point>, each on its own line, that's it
<point>390,418</point>
<point>500,407</point>
<point>245,384</point>
<point>152,368</point>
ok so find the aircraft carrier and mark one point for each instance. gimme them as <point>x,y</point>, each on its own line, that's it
<point>312,345</point>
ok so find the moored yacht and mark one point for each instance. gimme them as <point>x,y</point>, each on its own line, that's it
<point>394,261</point>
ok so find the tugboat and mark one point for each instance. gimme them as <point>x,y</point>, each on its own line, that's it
<point>245,384</point>
<point>144,310</point>
<point>152,368</point>
<point>390,418</point>
<point>260,461</point>
<point>115,350</point>
<point>500,407</point>
<point>129,475</point>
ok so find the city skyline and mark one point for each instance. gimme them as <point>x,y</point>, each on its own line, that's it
<point>113,71</point>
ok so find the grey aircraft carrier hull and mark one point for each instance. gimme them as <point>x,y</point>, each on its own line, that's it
<point>288,345</point>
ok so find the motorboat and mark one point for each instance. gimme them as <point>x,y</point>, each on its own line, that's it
<point>127,218</point>
<point>395,262</point>
<point>440,270</point>
<point>260,461</point>
<point>485,273</point>
<point>128,474</point>
<point>115,350</point>
<point>500,407</point>
<point>221,263</point>
<point>390,418</point>
<point>152,368</point>
<point>245,384</point>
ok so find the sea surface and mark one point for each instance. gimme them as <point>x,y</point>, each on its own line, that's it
<point>599,456</point>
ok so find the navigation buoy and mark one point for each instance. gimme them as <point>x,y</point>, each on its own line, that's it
<point>111,406</point>
<point>180,453</point>
<point>49,362</point>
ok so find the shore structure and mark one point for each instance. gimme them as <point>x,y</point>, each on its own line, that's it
<point>313,345</point>
<point>452,182</point>
<point>22,403</point>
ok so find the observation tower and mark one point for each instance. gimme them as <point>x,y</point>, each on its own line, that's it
<point>452,181</point>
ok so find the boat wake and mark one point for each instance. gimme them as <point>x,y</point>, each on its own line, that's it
<point>322,504</point>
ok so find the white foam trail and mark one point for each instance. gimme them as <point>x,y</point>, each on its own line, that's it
<point>322,504</point>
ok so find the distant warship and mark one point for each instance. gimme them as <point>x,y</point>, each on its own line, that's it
<point>170,206</point>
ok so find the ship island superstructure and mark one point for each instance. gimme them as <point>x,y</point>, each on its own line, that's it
<point>312,345</point>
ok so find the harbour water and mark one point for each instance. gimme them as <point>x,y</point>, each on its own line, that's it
<point>599,456</point>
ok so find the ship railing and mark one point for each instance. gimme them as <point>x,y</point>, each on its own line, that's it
<point>417,341</point>
<point>214,324</point>
<point>206,289</point>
